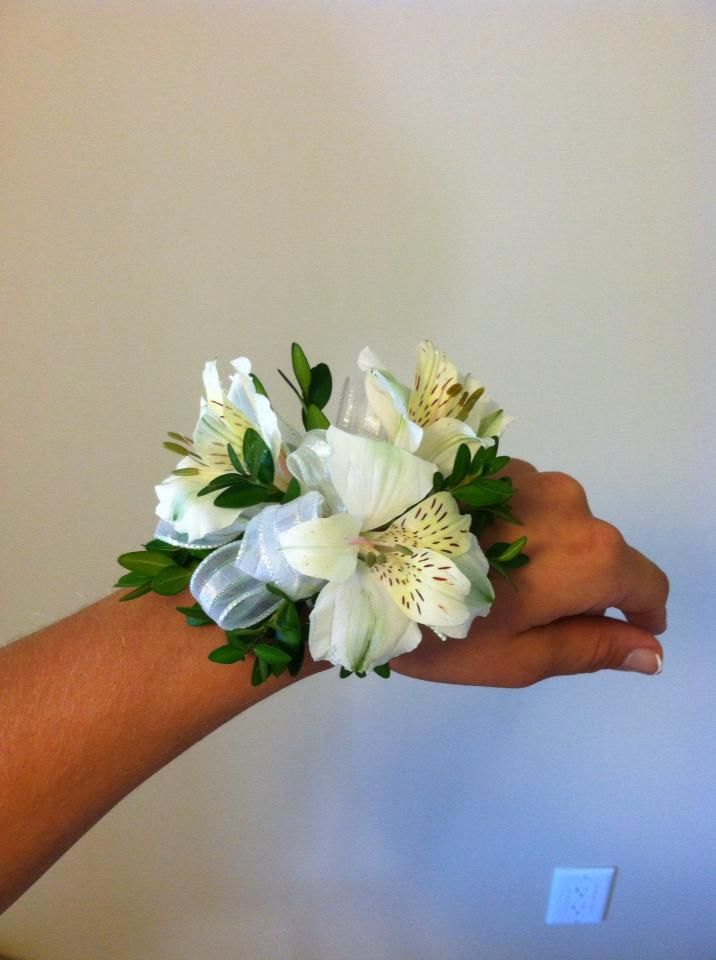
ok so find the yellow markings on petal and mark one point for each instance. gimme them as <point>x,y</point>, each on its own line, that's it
<point>433,524</point>
<point>439,390</point>
<point>220,425</point>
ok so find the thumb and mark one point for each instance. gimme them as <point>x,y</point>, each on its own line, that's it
<point>586,643</point>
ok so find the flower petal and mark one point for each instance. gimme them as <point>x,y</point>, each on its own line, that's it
<point>192,515</point>
<point>356,625</point>
<point>475,566</point>
<point>375,480</point>
<point>245,398</point>
<point>388,400</point>
<point>441,441</point>
<point>433,524</point>
<point>487,418</point>
<point>323,548</point>
<point>427,586</point>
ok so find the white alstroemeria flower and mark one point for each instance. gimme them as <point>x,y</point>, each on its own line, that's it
<point>391,557</point>
<point>443,409</point>
<point>223,419</point>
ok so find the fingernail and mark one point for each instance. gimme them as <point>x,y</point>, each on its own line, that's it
<point>642,661</point>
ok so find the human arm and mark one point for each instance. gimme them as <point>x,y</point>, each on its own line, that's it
<point>93,705</point>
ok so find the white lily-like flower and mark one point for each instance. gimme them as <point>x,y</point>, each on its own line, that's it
<point>443,409</point>
<point>397,555</point>
<point>224,418</point>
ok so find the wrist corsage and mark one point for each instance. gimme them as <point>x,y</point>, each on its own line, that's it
<point>347,536</point>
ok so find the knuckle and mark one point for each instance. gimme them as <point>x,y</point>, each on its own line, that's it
<point>603,652</point>
<point>564,488</point>
<point>604,539</point>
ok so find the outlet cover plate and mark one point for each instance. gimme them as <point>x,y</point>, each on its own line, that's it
<point>580,895</point>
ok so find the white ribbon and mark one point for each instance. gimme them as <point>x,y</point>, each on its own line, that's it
<point>230,584</point>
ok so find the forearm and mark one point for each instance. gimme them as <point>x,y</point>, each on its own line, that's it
<point>92,706</point>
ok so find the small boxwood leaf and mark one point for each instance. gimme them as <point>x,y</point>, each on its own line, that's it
<point>139,592</point>
<point>160,545</point>
<point>301,369</point>
<point>260,388</point>
<point>257,457</point>
<point>226,654</point>
<point>463,458</point>
<point>259,672</point>
<point>149,562</point>
<point>293,490</point>
<point>315,419</point>
<point>383,670</point>
<point>483,493</point>
<point>234,457</point>
<point>321,385</point>
<point>271,654</point>
<point>242,497</point>
<point>171,580</point>
<point>132,580</point>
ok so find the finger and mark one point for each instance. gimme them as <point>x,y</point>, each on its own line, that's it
<point>645,591</point>
<point>585,644</point>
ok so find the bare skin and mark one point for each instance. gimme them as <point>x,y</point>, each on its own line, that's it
<point>93,705</point>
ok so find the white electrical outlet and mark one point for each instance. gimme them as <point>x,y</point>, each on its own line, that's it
<point>580,895</point>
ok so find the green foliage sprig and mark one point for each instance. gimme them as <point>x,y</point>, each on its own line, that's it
<point>252,480</point>
<point>485,498</point>
<point>315,386</point>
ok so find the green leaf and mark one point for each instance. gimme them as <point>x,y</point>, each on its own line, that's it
<point>288,617</point>
<point>132,580</point>
<point>226,654</point>
<point>293,490</point>
<point>149,562</point>
<point>506,551</point>
<point>383,670</point>
<point>315,419</point>
<point>171,580</point>
<point>503,512</point>
<point>345,673</point>
<point>301,369</point>
<point>240,482</point>
<point>271,654</point>
<point>257,457</point>
<point>177,448</point>
<point>321,385</point>
<point>483,493</point>
<point>237,642</point>
<point>260,388</point>
<point>295,666</point>
<point>161,545</point>
<point>234,457</point>
<point>498,463</point>
<point>244,497</point>
<point>185,471</point>
<point>516,562</point>
<point>259,672</point>
<point>438,482</point>
<point>139,592</point>
<point>195,616</point>
<point>463,458</point>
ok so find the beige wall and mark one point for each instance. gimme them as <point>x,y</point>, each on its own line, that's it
<point>527,184</point>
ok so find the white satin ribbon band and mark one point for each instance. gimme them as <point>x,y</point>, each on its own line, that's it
<point>230,584</point>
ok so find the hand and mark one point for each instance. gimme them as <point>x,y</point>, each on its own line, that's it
<point>554,622</point>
